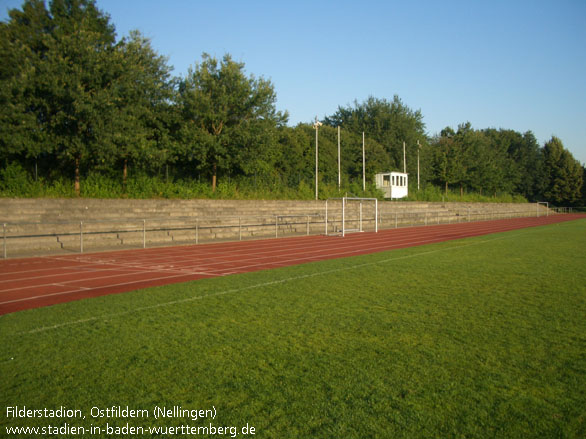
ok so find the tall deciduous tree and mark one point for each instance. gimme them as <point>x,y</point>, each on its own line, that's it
<point>71,91</point>
<point>79,79</point>
<point>60,81</point>
<point>447,159</point>
<point>229,117</point>
<point>583,200</point>
<point>141,96</point>
<point>23,109</point>
<point>494,146</point>
<point>526,156</point>
<point>563,174</point>
<point>389,123</point>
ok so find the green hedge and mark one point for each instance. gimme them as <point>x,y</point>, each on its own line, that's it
<point>15,181</point>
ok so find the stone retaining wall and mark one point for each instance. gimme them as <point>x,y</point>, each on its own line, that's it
<point>41,226</point>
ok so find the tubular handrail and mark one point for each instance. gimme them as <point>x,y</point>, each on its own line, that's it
<point>167,218</point>
<point>281,224</point>
<point>121,226</point>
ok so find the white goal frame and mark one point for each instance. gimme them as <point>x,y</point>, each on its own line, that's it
<point>543,203</point>
<point>344,200</point>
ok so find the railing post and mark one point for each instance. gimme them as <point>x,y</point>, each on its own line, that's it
<point>326,217</point>
<point>196,231</point>
<point>4,239</point>
<point>343,217</point>
<point>307,225</point>
<point>276,226</point>
<point>396,219</point>
<point>81,236</point>
<point>144,233</point>
<point>375,216</point>
<point>239,229</point>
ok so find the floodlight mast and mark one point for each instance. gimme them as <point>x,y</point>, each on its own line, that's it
<point>363,166</point>
<point>339,175</point>
<point>418,147</point>
<point>316,125</point>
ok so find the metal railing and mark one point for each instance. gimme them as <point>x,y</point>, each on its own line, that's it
<point>24,238</point>
<point>562,209</point>
<point>76,236</point>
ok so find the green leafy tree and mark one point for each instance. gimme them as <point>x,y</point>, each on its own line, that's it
<point>388,123</point>
<point>297,161</point>
<point>141,96</point>
<point>296,155</point>
<point>583,200</point>
<point>376,157</point>
<point>79,80</point>
<point>492,154</point>
<point>563,174</point>
<point>527,159</point>
<point>228,118</point>
<point>23,109</point>
<point>479,160</point>
<point>75,95</point>
<point>448,159</point>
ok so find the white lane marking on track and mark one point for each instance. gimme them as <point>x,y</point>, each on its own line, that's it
<point>249,262</point>
<point>260,285</point>
<point>338,251</point>
<point>65,286</point>
<point>74,271</point>
<point>79,289</point>
<point>218,272</point>
<point>85,279</point>
<point>268,248</point>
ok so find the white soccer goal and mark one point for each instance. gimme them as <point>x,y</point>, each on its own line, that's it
<point>543,204</point>
<point>351,214</point>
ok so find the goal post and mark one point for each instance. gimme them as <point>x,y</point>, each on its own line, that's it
<point>543,204</point>
<point>352,213</point>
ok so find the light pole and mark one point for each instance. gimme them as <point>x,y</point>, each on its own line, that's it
<point>316,125</point>
<point>339,175</point>
<point>418,146</point>
<point>363,166</point>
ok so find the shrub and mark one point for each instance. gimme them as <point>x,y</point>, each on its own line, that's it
<point>97,185</point>
<point>14,181</point>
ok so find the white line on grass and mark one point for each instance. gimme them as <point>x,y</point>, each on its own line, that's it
<point>260,285</point>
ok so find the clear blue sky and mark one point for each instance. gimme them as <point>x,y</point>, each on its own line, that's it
<point>518,64</point>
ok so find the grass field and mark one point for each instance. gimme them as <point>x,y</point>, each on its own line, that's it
<point>478,338</point>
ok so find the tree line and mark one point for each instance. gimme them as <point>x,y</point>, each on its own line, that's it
<point>75,102</point>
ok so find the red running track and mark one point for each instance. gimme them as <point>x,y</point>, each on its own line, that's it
<point>36,282</point>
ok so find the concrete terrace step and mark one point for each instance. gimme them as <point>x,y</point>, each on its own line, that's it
<point>52,225</point>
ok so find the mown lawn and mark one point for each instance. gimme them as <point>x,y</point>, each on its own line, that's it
<point>477,338</point>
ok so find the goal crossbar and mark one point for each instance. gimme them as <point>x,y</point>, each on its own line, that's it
<point>344,200</point>
<point>545,204</point>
